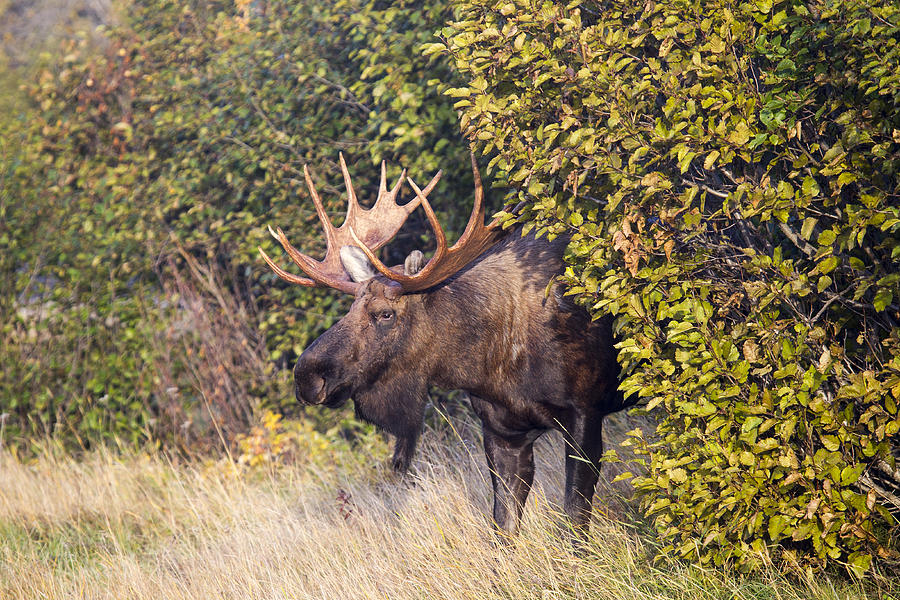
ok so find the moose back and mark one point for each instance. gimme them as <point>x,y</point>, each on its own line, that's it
<point>476,317</point>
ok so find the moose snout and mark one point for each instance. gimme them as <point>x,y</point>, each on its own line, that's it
<point>309,387</point>
<point>309,381</point>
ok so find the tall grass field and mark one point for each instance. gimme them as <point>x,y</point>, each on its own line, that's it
<point>340,526</point>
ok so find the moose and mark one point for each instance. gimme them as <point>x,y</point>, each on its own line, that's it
<point>481,316</point>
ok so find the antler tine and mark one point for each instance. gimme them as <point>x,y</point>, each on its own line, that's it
<point>388,196</point>
<point>377,226</point>
<point>392,195</point>
<point>301,260</point>
<point>396,189</point>
<point>317,271</point>
<point>439,236</point>
<point>382,185</point>
<point>376,262</point>
<point>440,239</point>
<point>320,210</point>
<point>320,273</point>
<point>479,188</point>
<point>476,219</point>
<point>352,204</point>
<point>412,204</point>
<point>284,274</point>
<point>479,192</point>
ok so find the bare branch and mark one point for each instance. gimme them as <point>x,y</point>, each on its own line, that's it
<point>867,483</point>
<point>797,240</point>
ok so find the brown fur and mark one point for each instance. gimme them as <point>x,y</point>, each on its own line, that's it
<point>531,362</point>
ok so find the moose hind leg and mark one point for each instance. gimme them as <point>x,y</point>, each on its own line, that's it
<point>511,462</point>
<point>584,447</point>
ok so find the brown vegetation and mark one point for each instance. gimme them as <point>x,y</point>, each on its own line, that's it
<point>332,526</point>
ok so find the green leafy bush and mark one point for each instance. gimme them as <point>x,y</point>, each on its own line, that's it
<point>180,138</point>
<point>728,172</point>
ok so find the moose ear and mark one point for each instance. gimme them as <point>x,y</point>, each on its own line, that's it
<point>356,264</point>
<point>413,263</point>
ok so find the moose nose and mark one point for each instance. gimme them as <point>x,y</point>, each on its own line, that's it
<point>310,388</point>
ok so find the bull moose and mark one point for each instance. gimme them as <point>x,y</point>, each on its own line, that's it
<point>480,316</point>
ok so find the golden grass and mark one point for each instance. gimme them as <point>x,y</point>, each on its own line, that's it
<point>142,526</point>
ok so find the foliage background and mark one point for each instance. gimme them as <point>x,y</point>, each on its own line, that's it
<point>137,191</point>
<point>727,171</point>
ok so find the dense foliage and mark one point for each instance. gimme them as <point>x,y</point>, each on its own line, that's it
<point>136,190</point>
<point>728,171</point>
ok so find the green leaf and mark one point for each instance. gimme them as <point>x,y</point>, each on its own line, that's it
<point>740,134</point>
<point>859,563</point>
<point>623,476</point>
<point>777,525</point>
<point>828,265</point>
<point>810,188</point>
<point>850,474</point>
<point>827,237</point>
<point>831,443</point>
<point>808,224</point>
<point>883,298</point>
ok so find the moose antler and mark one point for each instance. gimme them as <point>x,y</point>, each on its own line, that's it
<point>376,226</point>
<point>446,261</point>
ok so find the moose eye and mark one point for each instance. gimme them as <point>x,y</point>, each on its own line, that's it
<point>384,316</point>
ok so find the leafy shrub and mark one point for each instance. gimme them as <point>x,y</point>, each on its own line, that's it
<point>728,172</point>
<point>187,129</point>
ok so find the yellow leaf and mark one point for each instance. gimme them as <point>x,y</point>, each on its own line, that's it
<point>666,46</point>
<point>751,351</point>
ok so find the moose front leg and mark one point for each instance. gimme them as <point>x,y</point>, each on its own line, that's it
<point>404,447</point>
<point>511,463</point>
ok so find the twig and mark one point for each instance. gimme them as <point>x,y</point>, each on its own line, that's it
<point>866,482</point>
<point>796,239</point>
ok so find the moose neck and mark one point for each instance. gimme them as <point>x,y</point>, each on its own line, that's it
<point>478,322</point>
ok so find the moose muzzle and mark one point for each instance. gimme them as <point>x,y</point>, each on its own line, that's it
<point>309,387</point>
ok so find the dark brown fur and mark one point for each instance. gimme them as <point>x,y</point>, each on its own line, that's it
<point>531,362</point>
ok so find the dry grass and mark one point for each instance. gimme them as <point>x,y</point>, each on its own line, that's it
<point>109,526</point>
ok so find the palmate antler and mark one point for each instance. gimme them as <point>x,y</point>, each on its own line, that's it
<point>376,226</point>
<point>476,238</point>
<point>373,228</point>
